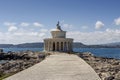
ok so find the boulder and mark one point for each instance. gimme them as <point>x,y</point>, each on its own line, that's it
<point>117,75</point>
<point>109,78</point>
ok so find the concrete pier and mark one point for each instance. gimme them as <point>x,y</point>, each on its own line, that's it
<point>60,66</point>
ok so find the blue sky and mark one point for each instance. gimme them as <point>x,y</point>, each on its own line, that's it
<point>87,21</point>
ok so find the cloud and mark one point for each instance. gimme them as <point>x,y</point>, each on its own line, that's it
<point>41,35</point>
<point>16,34</point>
<point>19,36</point>
<point>99,25</point>
<point>43,30</point>
<point>117,21</point>
<point>37,24</point>
<point>84,27</point>
<point>24,24</point>
<point>12,28</point>
<point>9,23</point>
<point>67,26</point>
<point>96,37</point>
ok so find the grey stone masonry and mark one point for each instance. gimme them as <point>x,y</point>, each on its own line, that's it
<point>58,42</point>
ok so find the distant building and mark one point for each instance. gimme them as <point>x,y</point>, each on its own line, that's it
<point>58,42</point>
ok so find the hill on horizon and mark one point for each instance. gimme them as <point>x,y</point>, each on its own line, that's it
<point>75,45</point>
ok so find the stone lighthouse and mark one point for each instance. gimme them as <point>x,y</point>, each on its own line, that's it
<point>58,42</point>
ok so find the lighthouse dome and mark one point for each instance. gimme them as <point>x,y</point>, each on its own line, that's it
<point>58,32</point>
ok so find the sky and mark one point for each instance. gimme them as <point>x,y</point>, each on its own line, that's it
<point>87,21</point>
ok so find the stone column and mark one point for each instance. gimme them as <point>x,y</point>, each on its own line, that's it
<point>63,46</point>
<point>60,46</point>
<point>50,46</point>
<point>67,46</point>
<point>55,46</point>
<point>71,46</point>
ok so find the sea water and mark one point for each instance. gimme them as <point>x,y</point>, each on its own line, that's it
<point>102,52</point>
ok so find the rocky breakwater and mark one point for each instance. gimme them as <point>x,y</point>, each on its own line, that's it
<point>106,68</point>
<point>13,62</point>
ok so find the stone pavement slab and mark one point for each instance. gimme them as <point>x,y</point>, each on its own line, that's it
<point>60,66</point>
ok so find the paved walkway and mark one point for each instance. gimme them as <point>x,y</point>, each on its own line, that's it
<point>58,67</point>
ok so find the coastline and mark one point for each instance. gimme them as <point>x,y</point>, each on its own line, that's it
<point>14,62</point>
<point>106,68</point>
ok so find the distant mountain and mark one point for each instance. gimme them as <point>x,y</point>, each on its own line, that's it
<point>115,44</point>
<point>108,45</point>
<point>35,45</point>
<point>29,45</point>
<point>6,45</point>
<point>78,45</point>
<point>75,45</point>
<point>24,45</point>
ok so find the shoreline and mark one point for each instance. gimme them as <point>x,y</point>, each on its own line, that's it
<point>106,68</point>
<point>18,61</point>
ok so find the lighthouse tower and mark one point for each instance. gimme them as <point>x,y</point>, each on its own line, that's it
<point>58,42</point>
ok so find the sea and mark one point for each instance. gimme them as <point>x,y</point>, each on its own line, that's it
<point>100,52</point>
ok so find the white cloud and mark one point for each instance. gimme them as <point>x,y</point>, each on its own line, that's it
<point>37,24</point>
<point>84,27</point>
<point>96,37</point>
<point>43,30</point>
<point>24,24</point>
<point>117,21</point>
<point>99,25</point>
<point>68,26</point>
<point>12,28</point>
<point>18,37</point>
<point>24,35</point>
<point>41,35</point>
<point>17,34</point>
<point>9,23</point>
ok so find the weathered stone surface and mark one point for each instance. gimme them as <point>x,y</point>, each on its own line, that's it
<point>118,75</point>
<point>106,68</point>
<point>13,62</point>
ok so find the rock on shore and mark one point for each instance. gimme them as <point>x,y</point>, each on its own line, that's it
<point>106,68</point>
<point>18,61</point>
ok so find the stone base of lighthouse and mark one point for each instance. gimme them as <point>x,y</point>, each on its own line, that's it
<point>58,44</point>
